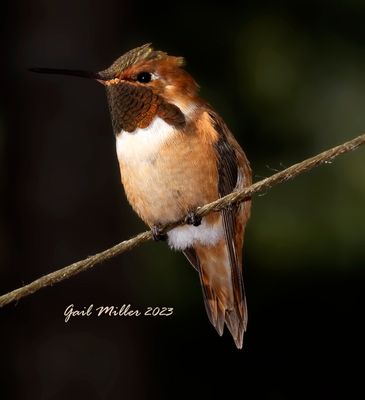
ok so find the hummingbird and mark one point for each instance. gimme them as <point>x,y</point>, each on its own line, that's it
<point>176,154</point>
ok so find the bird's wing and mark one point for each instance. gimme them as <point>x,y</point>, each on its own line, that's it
<point>233,172</point>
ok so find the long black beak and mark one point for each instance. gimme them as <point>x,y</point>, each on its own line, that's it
<point>72,72</point>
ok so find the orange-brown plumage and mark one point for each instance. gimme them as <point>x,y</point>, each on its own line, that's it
<point>175,154</point>
<point>184,176</point>
<point>186,157</point>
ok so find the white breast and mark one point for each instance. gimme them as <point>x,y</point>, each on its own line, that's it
<point>143,144</point>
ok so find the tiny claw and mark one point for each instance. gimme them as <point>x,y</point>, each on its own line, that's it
<point>157,233</point>
<point>193,219</point>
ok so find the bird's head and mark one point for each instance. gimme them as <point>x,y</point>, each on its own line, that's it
<point>142,84</point>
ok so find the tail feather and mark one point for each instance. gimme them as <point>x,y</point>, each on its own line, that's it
<point>221,312</point>
<point>237,325</point>
<point>213,305</point>
<point>224,296</point>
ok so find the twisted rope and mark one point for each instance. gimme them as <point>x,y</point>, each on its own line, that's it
<point>226,201</point>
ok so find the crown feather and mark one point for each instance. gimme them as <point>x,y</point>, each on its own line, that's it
<point>142,53</point>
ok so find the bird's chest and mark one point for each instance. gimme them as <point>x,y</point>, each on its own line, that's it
<point>165,172</point>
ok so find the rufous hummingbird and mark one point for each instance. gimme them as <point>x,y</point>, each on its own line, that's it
<point>176,154</point>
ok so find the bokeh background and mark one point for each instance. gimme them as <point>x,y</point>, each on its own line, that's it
<point>288,78</point>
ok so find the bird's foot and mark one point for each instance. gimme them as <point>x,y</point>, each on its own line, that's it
<point>193,219</point>
<point>157,233</point>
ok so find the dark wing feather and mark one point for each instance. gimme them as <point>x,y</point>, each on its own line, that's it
<point>228,175</point>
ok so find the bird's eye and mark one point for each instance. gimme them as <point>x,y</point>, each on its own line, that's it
<point>144,77</point>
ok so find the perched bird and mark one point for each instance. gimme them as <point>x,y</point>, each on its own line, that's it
<point>175,154</point>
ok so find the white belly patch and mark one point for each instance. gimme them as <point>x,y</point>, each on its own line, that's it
<point>186,236</point>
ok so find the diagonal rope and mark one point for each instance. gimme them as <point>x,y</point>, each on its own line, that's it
<point>228,200</point>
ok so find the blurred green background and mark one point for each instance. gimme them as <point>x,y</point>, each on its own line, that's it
<point>288,78</point>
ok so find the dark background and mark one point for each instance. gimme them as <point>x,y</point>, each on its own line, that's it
<point>288,78</point>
